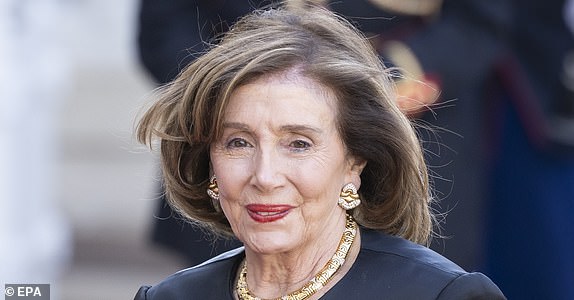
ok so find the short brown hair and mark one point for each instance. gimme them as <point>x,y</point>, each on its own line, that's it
<point>324,47</point>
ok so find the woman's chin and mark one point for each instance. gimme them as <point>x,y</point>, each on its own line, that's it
<point>271,243</point>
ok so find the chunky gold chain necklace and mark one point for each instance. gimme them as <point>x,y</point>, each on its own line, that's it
<point>320,280</point>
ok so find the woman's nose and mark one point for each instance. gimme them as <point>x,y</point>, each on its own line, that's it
<point>267,170</point>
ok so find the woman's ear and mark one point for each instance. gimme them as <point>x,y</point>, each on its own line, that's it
<point>358,165</point>
<point>356,168</point>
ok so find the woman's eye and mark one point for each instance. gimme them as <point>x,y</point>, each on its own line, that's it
<point>238,143</point>
<point>300,145</point>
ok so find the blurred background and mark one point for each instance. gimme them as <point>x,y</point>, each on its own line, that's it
<point>76,191</point>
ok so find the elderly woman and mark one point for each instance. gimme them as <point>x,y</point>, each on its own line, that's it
<point>287,135</point>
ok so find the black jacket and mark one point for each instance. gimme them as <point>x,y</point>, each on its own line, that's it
<point>387,267</point>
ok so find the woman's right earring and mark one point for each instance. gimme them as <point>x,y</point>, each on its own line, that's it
<point>213,192</point>
<point>212,189</point>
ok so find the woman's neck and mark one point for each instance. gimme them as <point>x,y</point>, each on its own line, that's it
<point>274,275</point>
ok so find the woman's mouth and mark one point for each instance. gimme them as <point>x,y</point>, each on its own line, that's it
<point>263,213</point>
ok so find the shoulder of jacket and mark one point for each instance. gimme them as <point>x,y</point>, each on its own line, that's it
<point>408,252</point>
<point>206,280</point>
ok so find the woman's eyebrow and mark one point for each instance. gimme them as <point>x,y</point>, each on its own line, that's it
<point>236,125</point>
<point>300,128</point>
<point>284,128</point>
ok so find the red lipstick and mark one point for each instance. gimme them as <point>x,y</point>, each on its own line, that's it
<point>264,213</point>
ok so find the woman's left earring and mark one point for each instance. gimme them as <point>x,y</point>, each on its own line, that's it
<point>349,198</point>
<point>212,189</point>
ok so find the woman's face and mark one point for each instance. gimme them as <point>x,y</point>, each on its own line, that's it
<point>281,164</point>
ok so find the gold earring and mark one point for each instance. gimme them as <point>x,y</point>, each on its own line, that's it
<point>212,189</point>
<point>349,197</point>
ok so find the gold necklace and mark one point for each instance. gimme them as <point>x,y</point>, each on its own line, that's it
<point>317,282</point>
